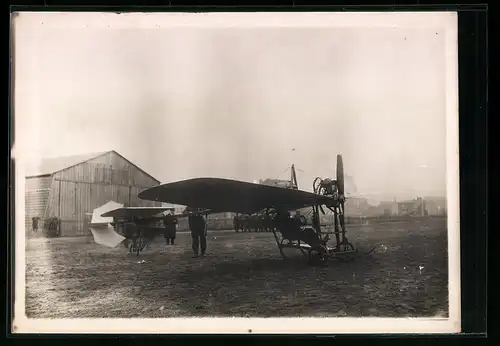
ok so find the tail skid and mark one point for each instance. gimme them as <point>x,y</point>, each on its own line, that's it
<point>105,234</point>
<point>102,231</point>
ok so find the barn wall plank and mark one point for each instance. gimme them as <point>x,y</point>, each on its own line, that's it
<point>91,184</point>
<point>36,183</point>
<point>37,199</point>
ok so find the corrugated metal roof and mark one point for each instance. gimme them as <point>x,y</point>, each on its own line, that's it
<point>52,165</point>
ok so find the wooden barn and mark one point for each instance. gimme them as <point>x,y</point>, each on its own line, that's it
<point>70,188</point>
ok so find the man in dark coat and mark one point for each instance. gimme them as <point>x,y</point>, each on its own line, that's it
<point>236,222</point>
<point>170,223</point>
<point>198,235</point>
<point>35,223</point>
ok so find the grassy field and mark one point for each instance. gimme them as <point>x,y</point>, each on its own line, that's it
<point>242,275</point>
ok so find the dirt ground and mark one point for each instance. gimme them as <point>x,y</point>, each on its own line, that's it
<point>242,275</point>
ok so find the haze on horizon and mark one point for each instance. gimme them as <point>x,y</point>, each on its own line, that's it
<point>242,103</point>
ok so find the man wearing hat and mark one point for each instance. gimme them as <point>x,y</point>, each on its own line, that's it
<point>34,221</point>
<point>170,224</point>
<point>198,233</point>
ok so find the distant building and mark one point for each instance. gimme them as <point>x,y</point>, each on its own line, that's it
<point>384,208</point>
<point>356,206</point>
<point>389,208</point>
<point>222,216</point>
<point>70,188</point>
<point>436,205</point>
<point>415,207</point>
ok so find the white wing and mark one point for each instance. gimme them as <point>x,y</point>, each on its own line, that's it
<point>106,235</point>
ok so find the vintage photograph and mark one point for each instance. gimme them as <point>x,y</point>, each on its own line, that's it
<point>251,167</point>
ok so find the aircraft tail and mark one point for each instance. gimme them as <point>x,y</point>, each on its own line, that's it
<point>101,228</point>
<point>106,235</point>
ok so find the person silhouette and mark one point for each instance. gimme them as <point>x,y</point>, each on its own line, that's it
<point>197,226</point>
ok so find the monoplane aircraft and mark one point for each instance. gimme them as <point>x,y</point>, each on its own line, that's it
<point>217,195</point>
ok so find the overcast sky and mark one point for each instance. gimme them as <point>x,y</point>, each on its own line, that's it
<point>235,102</point>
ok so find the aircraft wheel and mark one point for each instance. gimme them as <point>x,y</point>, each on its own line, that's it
<point>304,253</point>
<point>281,249</point>
<point>131,248</point>
<point>347,257</point>
<point>282,253</point>
<point>349,247</point>
<point>318,256</point>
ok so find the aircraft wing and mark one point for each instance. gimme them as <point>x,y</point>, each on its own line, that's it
<point>135,212</point>
<point>225,195</point>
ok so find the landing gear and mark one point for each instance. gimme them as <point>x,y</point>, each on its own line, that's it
<point>336,190</point>
<point>138,245</point>
<point>318,255</point>
<point>312,240</point>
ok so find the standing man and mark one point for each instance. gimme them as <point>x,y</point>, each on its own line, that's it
<point>35,223</point>
<point>245,227</point>
<point>236,222</point>
<point>198,235</point>
<point>170,223</point>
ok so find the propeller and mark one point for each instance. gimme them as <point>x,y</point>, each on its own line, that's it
<point>349,187</point>
<point>340,175</point>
